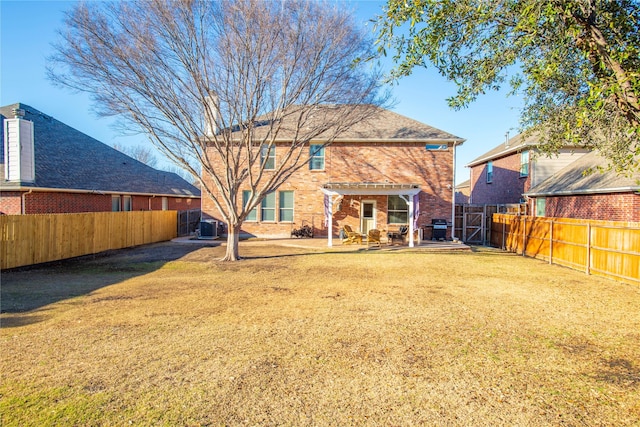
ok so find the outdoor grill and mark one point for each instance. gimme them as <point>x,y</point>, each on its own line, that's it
<point>439,229</point>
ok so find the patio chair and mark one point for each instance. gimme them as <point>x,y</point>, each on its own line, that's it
<point>350,236</point>
<point>401,234</point>
<point>373,237</point>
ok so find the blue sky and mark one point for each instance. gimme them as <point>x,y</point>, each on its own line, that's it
<point>28,28</point>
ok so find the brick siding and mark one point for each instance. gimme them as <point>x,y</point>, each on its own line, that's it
<point>506,186</point>
<point>608,207</point>
<point>10,202</point>
<point>360,162</point>
<point>61,202</point>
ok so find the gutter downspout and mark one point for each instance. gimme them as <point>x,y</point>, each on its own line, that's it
<point>453,192</point>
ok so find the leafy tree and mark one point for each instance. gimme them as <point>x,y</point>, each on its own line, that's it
<point>576,62</point>
<point>205,79</point>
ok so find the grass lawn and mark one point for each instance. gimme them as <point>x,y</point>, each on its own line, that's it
<point>296,337</point>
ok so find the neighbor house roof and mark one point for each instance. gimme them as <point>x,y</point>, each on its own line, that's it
<point>464,184</point>
<point>573,180</point>
<point>67,159</point>
<point>379,124</point>
<point>513,145</point>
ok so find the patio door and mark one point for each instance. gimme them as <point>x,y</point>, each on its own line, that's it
<point>367,216</point>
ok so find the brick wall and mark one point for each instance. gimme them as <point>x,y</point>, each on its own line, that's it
<point>607,207</point>
<point>10,203</point>
<point>506,186</point>
<point>360,162</point>
<point>53,202</point>
<point>145,203</point>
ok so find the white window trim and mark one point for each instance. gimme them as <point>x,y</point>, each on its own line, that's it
<point>270,152</point>
<point>292,208</point>
<point>527,163</point>
<point>274,209</point>
<point>396,210</point>
<point>323,157</point>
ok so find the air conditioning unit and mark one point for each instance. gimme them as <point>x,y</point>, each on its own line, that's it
<point>208,229</point>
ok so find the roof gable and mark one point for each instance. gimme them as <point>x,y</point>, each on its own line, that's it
<point>66,158</point>
<point>513,145</point>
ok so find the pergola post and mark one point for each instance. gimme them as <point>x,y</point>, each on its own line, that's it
<point>330,223</point>
<point>409,200</point>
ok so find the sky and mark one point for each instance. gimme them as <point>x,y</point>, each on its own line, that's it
<point>28,30</point>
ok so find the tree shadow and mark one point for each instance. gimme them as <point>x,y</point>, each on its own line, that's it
<point>27,289</point>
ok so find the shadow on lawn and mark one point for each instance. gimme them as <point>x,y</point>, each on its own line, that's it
<point>31,288</point>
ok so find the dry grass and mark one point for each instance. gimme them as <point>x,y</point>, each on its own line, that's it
<point>285,338</point>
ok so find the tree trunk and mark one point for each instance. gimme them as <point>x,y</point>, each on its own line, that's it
<point>233,239</point>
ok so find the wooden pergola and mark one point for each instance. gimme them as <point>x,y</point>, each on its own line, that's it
<point>336,190</point>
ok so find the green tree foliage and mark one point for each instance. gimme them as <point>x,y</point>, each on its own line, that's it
<point>576,63</point>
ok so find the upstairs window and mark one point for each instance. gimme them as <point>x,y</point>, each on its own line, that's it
<point>268,156</point>
<point>524,163</point>
<point>489,171</point>
<point>316,152</point>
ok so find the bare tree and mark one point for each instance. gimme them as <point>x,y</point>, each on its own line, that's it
<point>211,83</point>
<point>140,153</point>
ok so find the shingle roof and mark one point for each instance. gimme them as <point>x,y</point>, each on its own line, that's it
<point>66,158</point>
<point>380,125</point>
<point>572,180</point>
<point>513,145</point>
<point>385,125</point>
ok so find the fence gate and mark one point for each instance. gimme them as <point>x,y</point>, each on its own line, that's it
<point>188,221</point>
<point>473,227</point>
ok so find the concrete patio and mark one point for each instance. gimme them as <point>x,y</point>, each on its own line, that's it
<point>320,243</point>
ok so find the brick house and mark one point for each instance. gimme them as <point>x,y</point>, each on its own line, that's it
<point>49,167</point>
<point>384,172</point>
<point>570,193</point>
<point>463,192</point>
<point>503,174</point>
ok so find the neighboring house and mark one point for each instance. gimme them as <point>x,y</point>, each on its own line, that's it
<point>463,192</point>
<point>504,174</point>
<point>572,193</point>
<point>385,172</point>
<point>49,167</point>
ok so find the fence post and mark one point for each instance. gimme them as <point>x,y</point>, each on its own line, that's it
<point>483,226</point>
<point>551,242</point>
<point>588,248</point>
<point>524,234</point>
<point>504,226</point>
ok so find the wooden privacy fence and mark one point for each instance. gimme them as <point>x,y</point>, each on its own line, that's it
<point>473,221</point>
<point>32,239</point>
<point>606,248</point>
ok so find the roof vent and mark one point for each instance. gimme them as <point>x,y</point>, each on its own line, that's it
<point>18,113</point>
<point>506,139</point>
